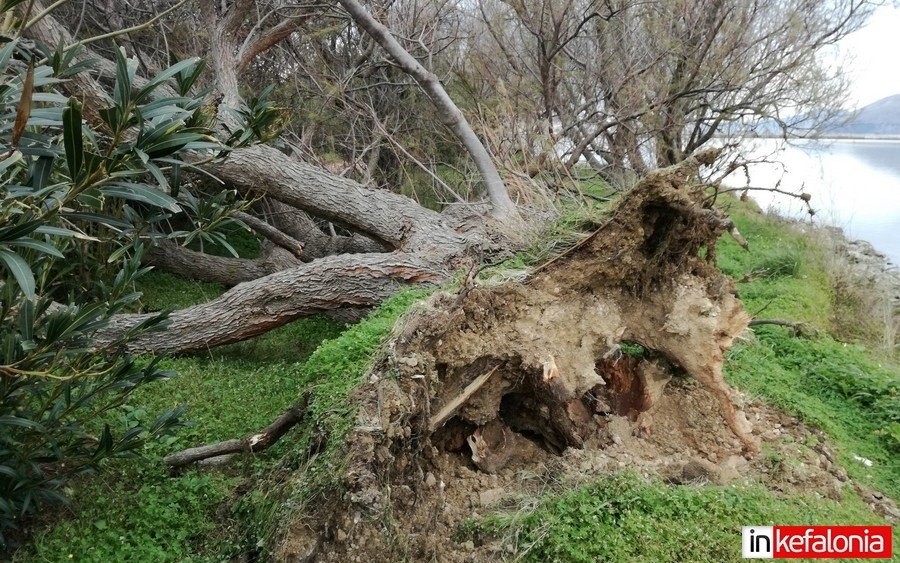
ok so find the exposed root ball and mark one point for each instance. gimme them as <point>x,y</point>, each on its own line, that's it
<point>581,354</point>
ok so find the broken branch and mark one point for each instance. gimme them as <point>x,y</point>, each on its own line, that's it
<point>254,443</point>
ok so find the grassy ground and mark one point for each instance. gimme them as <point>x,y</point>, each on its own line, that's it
<point>626,518</point>
<point>134,511</point>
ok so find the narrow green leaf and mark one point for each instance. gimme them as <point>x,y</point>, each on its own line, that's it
<point>91,198</point>
<point>175,184</point>
<point>188,77</point>
<point>40,175</point>
<point>111,117</point>
<point>13,232</point>
<point>20,270</point>
<point>106,443</point>
<point>176,142</point>
<point>73,138</point>
<point>9,420</point>
<point>142,193</point>
<point>38,245</point>
<point>60,232</point>
<point>165,75</point>
<point>6,52</point>
<point>99,218</point>
<point>26,321</point>
<point>15,157</point>
<point>92,163</point>
<point>122,90</point>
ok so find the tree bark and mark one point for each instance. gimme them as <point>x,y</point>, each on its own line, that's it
<point>502,205</point>
<point>425,243</point>
<point>252,308</point>
<point>390,218</point>
<point>171,257</point>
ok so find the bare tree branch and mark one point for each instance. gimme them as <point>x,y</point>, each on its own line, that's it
<point>502,205</point>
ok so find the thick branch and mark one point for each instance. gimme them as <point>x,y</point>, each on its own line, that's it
<point>503,206</point>
<point>168,256</point>
<point>295,247</point>
<point>274,35</point>
<point>391,218</point>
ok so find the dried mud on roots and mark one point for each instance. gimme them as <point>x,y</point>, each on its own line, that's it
<point>500,390</point>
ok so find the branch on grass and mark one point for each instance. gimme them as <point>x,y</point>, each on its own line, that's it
<point>254,443</point>
<point>798,328</point>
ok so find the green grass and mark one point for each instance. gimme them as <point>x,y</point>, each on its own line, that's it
<point>833,386</point>
<point>623,518</point>
<point>162,290</point>
<point>787,278</point>
<point>842,388</point>
<point>134,511</point>
<point>334,370</point>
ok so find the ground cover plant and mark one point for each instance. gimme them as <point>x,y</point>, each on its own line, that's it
<point>138,511</point>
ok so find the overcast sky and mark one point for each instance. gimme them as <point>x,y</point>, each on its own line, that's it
<point>875,52</point>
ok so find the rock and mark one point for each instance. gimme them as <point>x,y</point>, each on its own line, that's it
<point>490,497</point>
<point>697,470</point>
<point>835,490</point>
<point>430,479</point>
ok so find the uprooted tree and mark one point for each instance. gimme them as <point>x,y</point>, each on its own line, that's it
<point>539,357</point>
<point>358,244</point>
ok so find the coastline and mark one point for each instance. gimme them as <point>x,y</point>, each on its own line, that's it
<point>862,259</point>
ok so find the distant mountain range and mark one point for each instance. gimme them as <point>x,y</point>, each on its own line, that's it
<point>878,118</point>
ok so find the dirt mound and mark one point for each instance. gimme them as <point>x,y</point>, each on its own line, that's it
<point>489,395</point>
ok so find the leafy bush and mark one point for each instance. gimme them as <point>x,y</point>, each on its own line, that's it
<point>75,197</point>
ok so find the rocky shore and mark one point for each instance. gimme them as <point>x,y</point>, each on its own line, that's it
<point>865,262</point>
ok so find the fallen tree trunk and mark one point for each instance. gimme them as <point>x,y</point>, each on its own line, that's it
<point>252,308</point>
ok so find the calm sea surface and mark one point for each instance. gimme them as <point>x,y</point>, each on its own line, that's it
<point>855,185</point>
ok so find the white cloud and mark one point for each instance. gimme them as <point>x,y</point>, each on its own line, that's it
<point>873,51</point>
